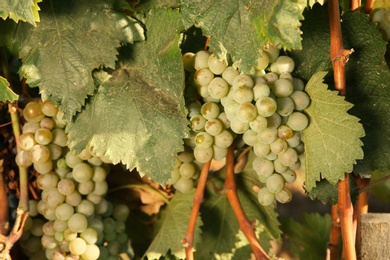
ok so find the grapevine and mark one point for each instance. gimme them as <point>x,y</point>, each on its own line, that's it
<point>185,129</point>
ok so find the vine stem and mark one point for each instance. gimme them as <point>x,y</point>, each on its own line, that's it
<point>334,238</point>
<point>339,58</point>
<point>140,186</point>
<point>361,207</point>
<point>188,241</point>
<point>369,4</point>
<point>245,225</point>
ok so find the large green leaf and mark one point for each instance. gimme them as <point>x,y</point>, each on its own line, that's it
<point>23,10</point>
<point>6,94</point>
<point>137,116</point>
<point>243,27</point>
<point>367,77</point>
<point>172,226</point>
<point>72,39</point>
<point>332,139</point>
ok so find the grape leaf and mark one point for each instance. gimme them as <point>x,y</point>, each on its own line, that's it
<point>137,116</point>
<point>6,94</point>
<point>308,237</point>
<point>172,226</point>
<point>23,10</point>
<point>244,27</point>
<point>332,139</point>
<point>324,192</point>
<point>72,39</point>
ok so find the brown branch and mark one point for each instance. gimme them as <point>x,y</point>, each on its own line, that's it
<point>361,207</point>
<point>339,58</point>
<point>188,241</point>
<point>245,225</point>
<point>372,184</point>
<point>369,4</point>
<point>355,5</point>
<point>334,238</point>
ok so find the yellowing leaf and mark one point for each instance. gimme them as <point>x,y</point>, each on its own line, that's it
<point>332,140</point>
<point>6,94</point>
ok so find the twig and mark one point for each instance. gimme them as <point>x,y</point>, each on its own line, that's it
<point>334,238</point>
<point>339,58</point>
<point>231,192</point>
<point>140,186</point>
<point>372,184</point>
<point>188,241</point>
<point>369,4</point>
<point>355,5</point>
<point>361,207</point>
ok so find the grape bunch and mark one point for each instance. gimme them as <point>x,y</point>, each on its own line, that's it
<point>72,219</point>
<point>381,16</point>
<point>265,109</point>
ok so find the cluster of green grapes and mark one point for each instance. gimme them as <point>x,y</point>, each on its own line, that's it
<point>72,219</point>
<point>381,16</point>
<point>264,109</point>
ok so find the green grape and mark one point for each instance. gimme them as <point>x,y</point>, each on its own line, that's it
<point>201,59</point>
<point>289,176</point>
<point>92,252</point>
<point>95,199</point>
<point>65,186</point>
<point>82,172</point>
<point>283,196</point>
<point>95,161</point>
<point>187,170</point>
<point>72,160</point>
<point>298,84</point>
<point>184,185</point>
<point>59,137</point>
<point>209,110</point>
<point>285,106</point>
<point>242,94</point>
<point>263,167</point>
<point>301,100</point>
<point>297,121</point>
<point>74,198</point>
<point>100,188</point>
<point>289,157</point>
<point>203,91</point>
<point>261,150</point>
<point>246,112</point>
<point>204,140</point>
<point>279,167</point>
<point>49,109</point>
<point>30,127</point>
<point>250,137</point>
<point>203,155</point>
<point>231,107</point>
<point>285,132</point>
<point>60,225</point>
<point>188,61</point>
<point>295,139</point>
<point>282,64</point>
<point>224,120</point>
<point>219,153</point>
<point>77,222</point>
<point>39,153</point>
<point>55,151</point>
<point>48,242</point>
<point>47,123</point>
<point>262,61</point>
<point>27,141</point>
<point>23,159</point>
<point>242,80</point>
<point>224,139</point>
<point>121,212</point>
<point>282,88</point>
<point>279,146</point>
<point>203,77</point>
<point>238,126</point>
<point>286,75</point>
<point>259,123</point>
<point>47,181</point>
<point>267,136</point>
<point>77,246</point>
<point>44,167</point>
<point>265,197</point>
<point>33,112</point>
<point>230,74</point>
<point>217,66</point>
<point>86,207</point>
<point>86,187</point>
<point>275,183</point>
<point>218,88</point>
<point>271,77</point>
<point>273,53</point>
<point>64,211</point>
<point>266,106</point>
<point>43,136</point>
<point>213,127</point>
<point>99,174</point>
<point>260,90</point>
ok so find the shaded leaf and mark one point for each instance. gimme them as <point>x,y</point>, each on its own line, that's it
<point>172,226</point>
<point>332,139</point>
<point>324,192</point>
<point>72,39</point>
<point>234,24</point>
<point>6,94</point>
<point>308,237</point>
<point>137,116</point>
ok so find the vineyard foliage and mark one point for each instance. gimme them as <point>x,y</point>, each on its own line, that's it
<point>115,69</point>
